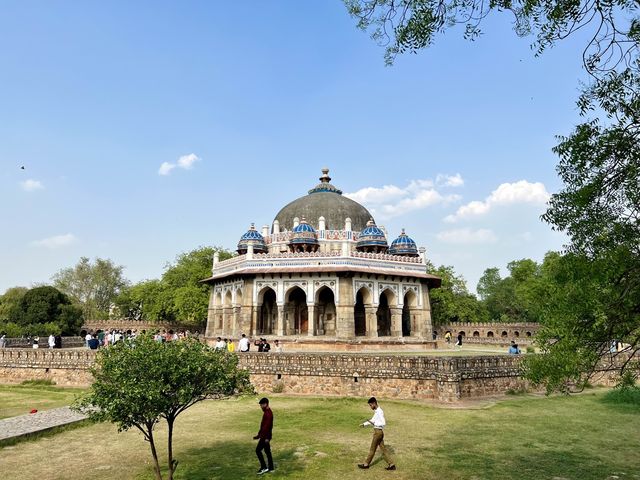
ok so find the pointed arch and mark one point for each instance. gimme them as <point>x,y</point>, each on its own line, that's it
<point>267,311</point>
<point>384,314</point>
<point>325,311</point>
<point>363,298</point>
<point>296,313</point>
<point>408,316</point>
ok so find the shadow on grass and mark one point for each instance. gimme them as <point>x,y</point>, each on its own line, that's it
<point>525,461</point>
<point>235,460</point>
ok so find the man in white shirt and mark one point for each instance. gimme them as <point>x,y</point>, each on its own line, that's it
<point>243,344</point>
<point>220,345</point>
<point>52,341</point>
<point>378,422</point>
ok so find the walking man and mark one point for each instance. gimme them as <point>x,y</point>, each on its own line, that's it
<point>264,437</point>
<point>378,422</point>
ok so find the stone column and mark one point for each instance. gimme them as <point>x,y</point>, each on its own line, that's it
<point>311,320</point>
<point>252,328</point>
<point>345,328</point>
<point>227,319</point>
<point>230,331</point>
<point>372,320</point>
<point>396,321</point>
<point>280,328</point>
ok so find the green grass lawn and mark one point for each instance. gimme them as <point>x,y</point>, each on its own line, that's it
<point>525,437</point>
<point>21,399</point>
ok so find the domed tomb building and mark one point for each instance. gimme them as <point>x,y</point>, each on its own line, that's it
<point>324,276</point>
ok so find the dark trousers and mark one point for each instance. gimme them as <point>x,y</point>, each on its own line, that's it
<point>266,446</point>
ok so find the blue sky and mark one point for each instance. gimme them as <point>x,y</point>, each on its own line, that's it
<point>453,144</point>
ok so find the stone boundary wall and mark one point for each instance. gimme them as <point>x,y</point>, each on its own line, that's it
<point>491,332</point>
<point>443,379</point>
<point>394,376</point>
<point>68,368</point>
<point>67,342</point>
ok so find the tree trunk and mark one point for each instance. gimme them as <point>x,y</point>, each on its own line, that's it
<point>156,465</point>
<point>170,449</point>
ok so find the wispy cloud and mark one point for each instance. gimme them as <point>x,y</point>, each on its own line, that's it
<point>57,241</point>
<point>522,192</point>
<point>185,162</point>
<point>465,236</point>
<point>450,180</point>
<point>391,201</point>
<point>31,185</point>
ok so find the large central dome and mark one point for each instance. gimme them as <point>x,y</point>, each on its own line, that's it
<point>324,200</point>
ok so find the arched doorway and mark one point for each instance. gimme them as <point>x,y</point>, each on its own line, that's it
<point>325,312</point>
<point>384,316</point>
<point>296,311</point>
<point>407,312</point>
<point>359,313</point>
<point>268,313</point>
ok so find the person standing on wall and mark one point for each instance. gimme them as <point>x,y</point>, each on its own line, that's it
<point>264,437</point>
<point>244,343</point>
<point>378,422</point>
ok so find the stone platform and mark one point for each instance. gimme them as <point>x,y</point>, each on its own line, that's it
<point>24,425</point>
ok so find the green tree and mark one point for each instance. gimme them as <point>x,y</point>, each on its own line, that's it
<point>8,302</point>
<point>149,300</point>
<point>488,283</point>
<point>515,298</point>
<point>411,25</point>
<point>585,312</point>
<point>179,296</point>
<point>46,310</point>
<point>94,286</point>
<point>452,302</point>
<point>140,384</point>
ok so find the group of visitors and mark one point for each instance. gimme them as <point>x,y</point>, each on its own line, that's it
<point>102,338</point>
<point>244,345</point>
<point>265,435</point>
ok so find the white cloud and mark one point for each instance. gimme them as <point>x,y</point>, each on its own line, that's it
<point>165,168</point>
<point>391,201</point>
<point>467,236</point>
<point>57,241</point>
<point>185,162</point>
<point>506,194</point>
<point>31,185</point>
<point>450,180</point>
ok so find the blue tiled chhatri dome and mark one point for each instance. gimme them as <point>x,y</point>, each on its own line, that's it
<point>252,237</point>
<point>372,239</point>
<point>403,245</point>
<point>304,237</point>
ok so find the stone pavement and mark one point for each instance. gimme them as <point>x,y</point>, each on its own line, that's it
<point>38,422</point>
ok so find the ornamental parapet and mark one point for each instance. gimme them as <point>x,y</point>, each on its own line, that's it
<point>339,235</point>
<point>319,260</point>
